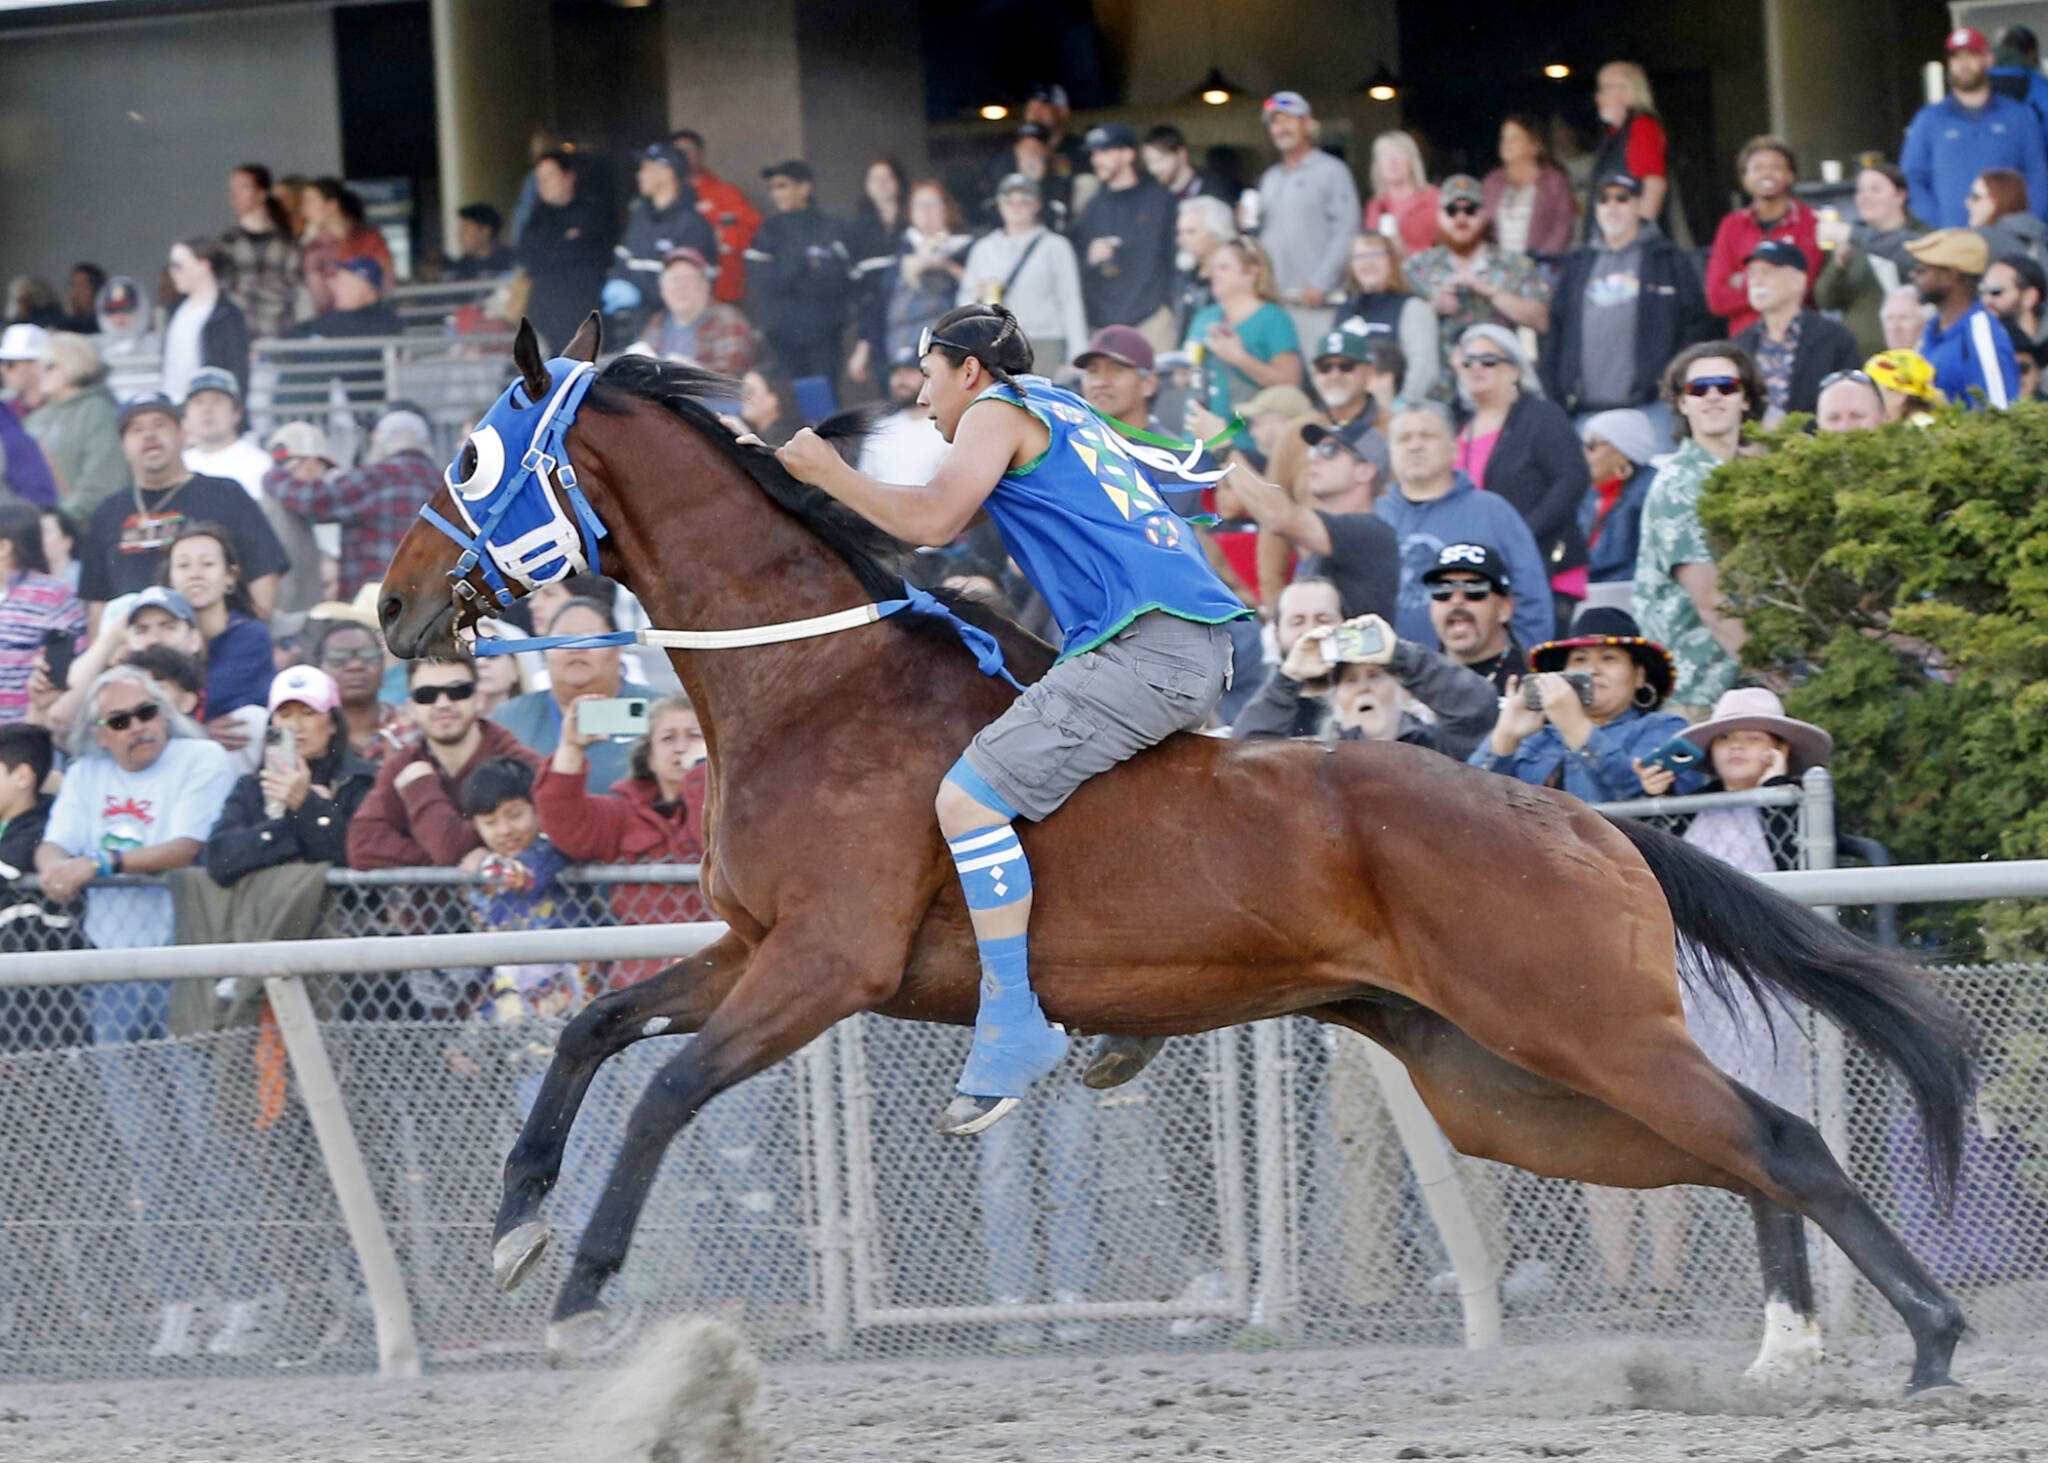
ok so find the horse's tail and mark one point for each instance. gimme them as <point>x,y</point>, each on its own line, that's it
<point>1727,921</point>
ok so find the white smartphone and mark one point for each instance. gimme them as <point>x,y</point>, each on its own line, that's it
<point>614,716</point>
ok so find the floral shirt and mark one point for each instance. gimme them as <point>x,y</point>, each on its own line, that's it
<point>1671,536</point>
<point>1515,273</point>
<point>1774,359</point>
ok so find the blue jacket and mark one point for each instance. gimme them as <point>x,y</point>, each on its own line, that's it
<point>1603,770</point>
<point>1612,557</point>
<point>1975,351</point>
<point>2024,84</point>
<point>1465,515</point>
<point>1947,147</point>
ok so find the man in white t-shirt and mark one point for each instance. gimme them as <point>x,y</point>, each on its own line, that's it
<point>214,441</point>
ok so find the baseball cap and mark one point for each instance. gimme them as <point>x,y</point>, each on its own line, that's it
<point>1018,183</point>
<point>687,255</point>
<point>137,406</point>
<point>1035,129</point>
<point>120,296</point>
<point>1481,559</point>
<point>1359,437</point>
<point>1108,135</point>
<point>299,439</point>
<point>1620,180</point>
<point>306,684</point>
<point>365,268</point>
<point>1293,103</point>
<point>793,168</point>
<point>161,597</point>
<point>1120,343</point>
<point>1962,250</point>
<point>1966,38</point>
<point>213,378</point>
<point>1353,345</point>
<point>1460,188</point>
<point>1781,252</point>
<point>23,342</point>
<point>665,154</point>
<point>1051,93</point>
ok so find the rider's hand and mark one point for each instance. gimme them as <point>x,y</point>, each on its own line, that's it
<point>809,457</point>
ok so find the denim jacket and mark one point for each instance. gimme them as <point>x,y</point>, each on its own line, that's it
<point>1601,771</point>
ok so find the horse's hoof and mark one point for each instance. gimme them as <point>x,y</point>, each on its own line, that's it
<point>514,1256</point>
<point>1117,1059</point>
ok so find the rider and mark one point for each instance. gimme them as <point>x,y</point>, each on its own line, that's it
<point>1146,651</point>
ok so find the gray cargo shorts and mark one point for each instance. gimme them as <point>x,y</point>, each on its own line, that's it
<point>1158,675</point>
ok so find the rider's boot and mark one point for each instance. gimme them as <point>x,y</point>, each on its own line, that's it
<point>1014,1045</point>
<point>1117,1059</point>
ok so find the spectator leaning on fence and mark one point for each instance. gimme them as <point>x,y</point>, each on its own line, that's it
<point>33,606</point>
<point>518,890</point>
<point>359,308</point>
<point>410,818</point>
<point>75,425</point>
<point>653,815</point>
<point>1714,388</point>
<point>1472,608</point>
<point>1593,750</point>
<point>297,807</point>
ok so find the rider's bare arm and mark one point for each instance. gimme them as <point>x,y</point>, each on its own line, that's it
<point>993,437</point>
<point>1273,508</point>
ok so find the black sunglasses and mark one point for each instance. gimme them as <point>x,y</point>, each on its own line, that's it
<point>454,691</point>
<point>1461,210</point>
<point>1338,365</point>
<point>1714,386</point>
<point>121,720</point>
<point>1834,376</point>
<point>1486,362</point>
<point>1464,587</point>
<point>1617,196</point>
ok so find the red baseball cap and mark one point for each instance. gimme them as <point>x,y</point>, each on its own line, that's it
<point>1967,38</point>
<point>1121,344</point>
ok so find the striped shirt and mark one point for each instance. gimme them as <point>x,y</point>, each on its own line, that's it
<point>34,605</point>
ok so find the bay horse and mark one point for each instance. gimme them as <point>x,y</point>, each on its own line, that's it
<point>1516,950</point>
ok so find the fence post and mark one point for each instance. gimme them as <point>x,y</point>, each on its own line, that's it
<point>1831,1053</point>
<point>398,1351</point>
<point>1271,1297</point>
<point>827,1113</point>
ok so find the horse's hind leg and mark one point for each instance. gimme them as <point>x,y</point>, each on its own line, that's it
<point>1791,1344</point>
<point>675,1001</point>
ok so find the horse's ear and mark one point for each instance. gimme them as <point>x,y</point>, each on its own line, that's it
<point>584,344</point>
<point>532,370</point>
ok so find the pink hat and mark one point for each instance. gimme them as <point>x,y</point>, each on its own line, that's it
<point>1754,708</point>
<point>306,684</point>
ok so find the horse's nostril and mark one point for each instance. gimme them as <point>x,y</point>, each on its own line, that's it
<point>388,611</point>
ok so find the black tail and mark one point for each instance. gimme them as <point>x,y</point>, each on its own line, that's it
<point>1727,921</point>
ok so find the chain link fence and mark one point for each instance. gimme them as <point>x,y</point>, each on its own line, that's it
<point>164,1206</point>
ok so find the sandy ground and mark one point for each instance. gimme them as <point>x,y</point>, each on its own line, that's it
<point>1626,1400</point>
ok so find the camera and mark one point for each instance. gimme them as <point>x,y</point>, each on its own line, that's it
<point>1582,682</point>
<point>1351,643</point>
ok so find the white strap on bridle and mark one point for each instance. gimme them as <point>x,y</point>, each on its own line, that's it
<point>851,619</point>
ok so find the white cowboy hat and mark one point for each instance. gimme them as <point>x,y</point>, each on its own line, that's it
<point>1752,708</point>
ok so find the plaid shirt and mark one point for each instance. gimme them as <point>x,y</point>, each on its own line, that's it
<point>374,504</point>
<point>725,342</point>
<point>266,283</point>
<point>35,605</point>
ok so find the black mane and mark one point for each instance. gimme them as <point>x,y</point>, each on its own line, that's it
<point>880,561</point>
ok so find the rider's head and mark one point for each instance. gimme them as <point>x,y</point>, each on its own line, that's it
<point>969,349</point>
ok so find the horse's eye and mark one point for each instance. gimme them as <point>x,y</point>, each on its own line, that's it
<point>482,463</point>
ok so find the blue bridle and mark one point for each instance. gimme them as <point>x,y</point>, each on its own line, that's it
<point>513,528</point>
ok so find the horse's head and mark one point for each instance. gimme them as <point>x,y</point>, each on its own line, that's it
<point>508,515</point>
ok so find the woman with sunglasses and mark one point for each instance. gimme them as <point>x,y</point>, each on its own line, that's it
<point>1715,389</point>
<point>1377,298</point>
<point>1523,447</point>
<point>1468,281</point>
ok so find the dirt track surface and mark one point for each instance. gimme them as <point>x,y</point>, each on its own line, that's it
<point>1632,1401</point>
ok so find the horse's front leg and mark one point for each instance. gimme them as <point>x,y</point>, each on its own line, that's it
<point>674,1002</point>
<point>798,984</point>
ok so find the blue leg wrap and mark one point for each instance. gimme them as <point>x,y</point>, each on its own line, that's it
<point>993,869</point>
<point>1014,1045</point>
<point>963,776</point>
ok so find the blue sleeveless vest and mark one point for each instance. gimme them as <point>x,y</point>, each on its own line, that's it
<point>1090,531</point>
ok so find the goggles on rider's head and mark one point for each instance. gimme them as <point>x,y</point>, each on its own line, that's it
<point>927,340</point>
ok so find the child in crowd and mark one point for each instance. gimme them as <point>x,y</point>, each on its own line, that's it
<point>518,891</point>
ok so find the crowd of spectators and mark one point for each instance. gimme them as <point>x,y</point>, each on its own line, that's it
<point>1477,417</point>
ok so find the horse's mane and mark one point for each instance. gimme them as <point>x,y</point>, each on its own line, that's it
<point>879,561</point>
